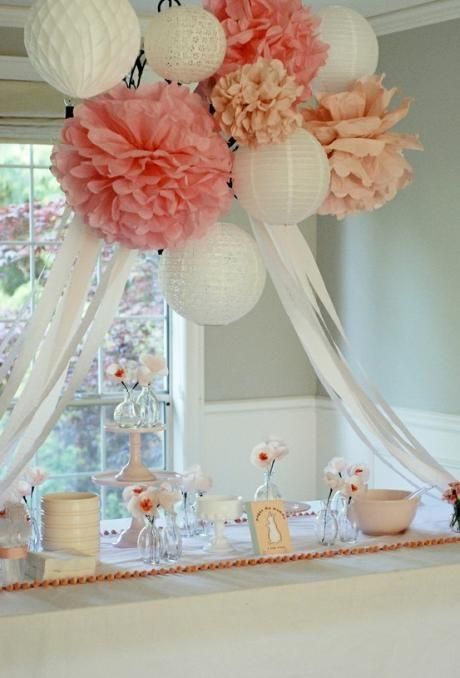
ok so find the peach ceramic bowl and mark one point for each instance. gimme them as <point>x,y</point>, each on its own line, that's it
<point>381,512</point>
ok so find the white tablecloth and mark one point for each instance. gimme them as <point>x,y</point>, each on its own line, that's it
<point>382,615</point>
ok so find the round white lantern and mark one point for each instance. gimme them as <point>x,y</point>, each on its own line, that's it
<point>353,49</point>
<point>185,44</point>
<point>282,183</point>
<point>82,47</point>
<point>216,279</point>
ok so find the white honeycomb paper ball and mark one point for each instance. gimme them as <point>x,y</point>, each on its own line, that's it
<point>185,44</point>
<point>282,183</point>
<point>82,47</point>
<point>216,279</point>
<point>353,51</point>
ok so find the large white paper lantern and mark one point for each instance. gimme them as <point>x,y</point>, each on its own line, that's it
<point>185,44</point>
<point>282,183</point>
<point>353,49</point>
<point>82,47</point>
<point>214,280</point>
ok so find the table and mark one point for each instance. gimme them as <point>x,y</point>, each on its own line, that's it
<point>388,614</point>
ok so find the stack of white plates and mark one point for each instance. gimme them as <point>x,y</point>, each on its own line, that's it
<point>71,522</point>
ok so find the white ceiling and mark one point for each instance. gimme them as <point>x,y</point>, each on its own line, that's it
<point>366,7</point>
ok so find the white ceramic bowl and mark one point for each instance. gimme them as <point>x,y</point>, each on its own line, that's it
<point>380,512</point>
<point>70,502</point>
<point>220,507</point>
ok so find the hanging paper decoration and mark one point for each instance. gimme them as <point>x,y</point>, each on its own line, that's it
<point>82,48</point>
<point>273,29</point>
<point>214,280</point>
<point>353,49</point>
<point>367,163</point>
<point>146,168</point>
<point>282,183</point>
<point>185,44</point>
<point>256,103</point>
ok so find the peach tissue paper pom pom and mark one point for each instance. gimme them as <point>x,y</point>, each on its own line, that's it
<point>272,29</point>
<point>368,167</point>
<point>256,103</point>
<point>146,168</point>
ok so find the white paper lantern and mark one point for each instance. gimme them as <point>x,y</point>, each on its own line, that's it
<point>282,183</point>
<point>214,280</point>
<point>353,51</point>
<point>185,44</point>
<point>82,47</point>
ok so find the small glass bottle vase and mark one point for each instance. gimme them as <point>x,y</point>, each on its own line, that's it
<point>455,520</point>
<point>269,489</point>
<point>186,518</point>
<point>149,407</point>
<point>35,537</point>
<point>172,540</point>
<point>326,527</point>
<point>348,529</point>
<point>149,543</point>
<point>126,414</point>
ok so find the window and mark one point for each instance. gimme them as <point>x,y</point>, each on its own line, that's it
<point>30,206</point>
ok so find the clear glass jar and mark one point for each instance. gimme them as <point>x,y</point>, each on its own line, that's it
<point>326,527</point>
<point>149,543</point>
<point>35,541</point>
<point>172,539</point>
<point>348,530</point>
<point>269,490</point>
<point>149,407</point>
<point>126,414</point>
<point>455,520</point>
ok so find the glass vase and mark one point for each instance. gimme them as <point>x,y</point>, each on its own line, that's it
<point>126,414</point>
<point>187,515</point>
<point>172,540</point>
<point>35,541</point>
<point>269,490</point>
<point>348,530</point>
<point>455,520</point>
<point>149,407</point>
<point>326,527</point>
<point>149,544</point>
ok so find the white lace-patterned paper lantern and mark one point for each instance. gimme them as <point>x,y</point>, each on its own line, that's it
<point>82,47</point>
<point>282,183</point>
<point>185,44</point>
<point>353,49</point>
<point>216,279</point>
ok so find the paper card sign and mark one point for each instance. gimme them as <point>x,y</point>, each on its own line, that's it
<point>269,527</point>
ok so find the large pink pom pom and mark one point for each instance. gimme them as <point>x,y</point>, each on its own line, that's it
<point>368,167</point>
<point>146,168</point>
<point>272,29</point>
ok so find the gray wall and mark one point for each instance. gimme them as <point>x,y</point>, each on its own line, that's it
<point>259,356</point>
<point>395,273</point>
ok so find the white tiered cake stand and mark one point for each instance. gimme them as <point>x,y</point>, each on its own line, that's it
<point>135,472</point>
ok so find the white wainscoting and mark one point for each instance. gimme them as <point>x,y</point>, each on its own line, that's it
<point>231,429</point>
<point>315,432</point>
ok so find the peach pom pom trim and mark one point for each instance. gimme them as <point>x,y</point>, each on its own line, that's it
<point>227,564</point>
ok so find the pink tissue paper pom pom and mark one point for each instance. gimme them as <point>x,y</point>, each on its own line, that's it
<point>146,168</point>
<point>272,29</point>
<point>368,167</point>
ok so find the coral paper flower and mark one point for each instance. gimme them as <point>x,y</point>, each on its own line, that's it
<point>261,456</point>
<point>273,29</point>
<point>146,168</point>
<point>115,372</point>
<point>144,504</point>
<point>256,103</point>
<point>156,364</point>
<point>368,167</point>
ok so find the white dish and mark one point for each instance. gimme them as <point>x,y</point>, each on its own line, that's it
<point>70,502</point>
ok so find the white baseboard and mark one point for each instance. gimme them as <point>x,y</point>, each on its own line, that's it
<point>315,432</point>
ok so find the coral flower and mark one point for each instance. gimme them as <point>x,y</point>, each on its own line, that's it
<point>256,103</point>
<point>273,29</point>
<point>368,167</point>
<point>146,168</point>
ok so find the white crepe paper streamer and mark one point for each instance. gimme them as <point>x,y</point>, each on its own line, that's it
<point>330,365</point>
<point>61,330</point>
<point>46,413</point>
<point>21,354</point>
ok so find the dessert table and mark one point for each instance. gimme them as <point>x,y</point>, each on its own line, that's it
<point>382,613</point>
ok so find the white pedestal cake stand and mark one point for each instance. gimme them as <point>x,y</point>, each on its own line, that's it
<point>134,473</point>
